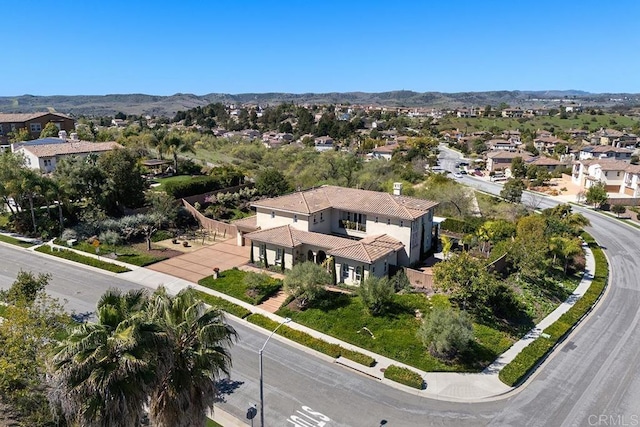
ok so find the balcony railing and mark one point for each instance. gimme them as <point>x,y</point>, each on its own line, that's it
<point>352,225</point>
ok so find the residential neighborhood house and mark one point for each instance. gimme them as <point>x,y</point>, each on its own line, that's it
<point>33,122</point>
<point>366,232</point>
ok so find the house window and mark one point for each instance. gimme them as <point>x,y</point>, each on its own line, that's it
<point>278,255</point>
<point>263,252</point>
<point>35,127</point>
<point>295,218</point>
<point>376,220</point>
<point>273,214</point>
<point>385,266</point>
<point>618,173</point>
<point>345,271</point>
<point>401,224</point>
<point>321,216</point>
<point>358,273</point>
<point>388,221</point>
<point>315,219</point>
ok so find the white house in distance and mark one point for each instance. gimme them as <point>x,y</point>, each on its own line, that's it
<point>366,232</point>
<point>44,154</point>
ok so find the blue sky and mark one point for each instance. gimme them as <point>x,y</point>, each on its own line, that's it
<point>91,47</point>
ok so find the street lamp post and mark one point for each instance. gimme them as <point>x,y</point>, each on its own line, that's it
<point>286,320</point>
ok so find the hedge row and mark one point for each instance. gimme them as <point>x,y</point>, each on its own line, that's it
<point>198,185</point>
<point>332,350</point>
<point>528,359</point>
<point>466,226</point>
<point>73,256</point>
<point>404,376</point>
<point>225,305</point>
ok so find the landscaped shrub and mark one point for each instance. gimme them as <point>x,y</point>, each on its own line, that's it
<point>404,376</point>
<point>468,225</point>
<point>110,237</point>
<point>524,363</point>
<point>93,262</point>
<point>358,357</point>
<point>225,305</point>
<point>196,185</point>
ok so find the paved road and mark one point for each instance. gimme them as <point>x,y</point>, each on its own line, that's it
<point>592,380</point>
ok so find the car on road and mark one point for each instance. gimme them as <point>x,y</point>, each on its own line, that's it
<point>457,175</point>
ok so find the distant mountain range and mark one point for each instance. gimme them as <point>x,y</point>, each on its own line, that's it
<point>108,105</point>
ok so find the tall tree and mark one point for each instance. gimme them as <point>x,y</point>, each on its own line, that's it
<point>597,195</point>
<point>199,341</point>
<point>103,372</point>
<point>512,190</point>
<point>173,144</point>
<point>125,184</point>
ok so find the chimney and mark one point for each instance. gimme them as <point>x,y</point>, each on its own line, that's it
<point>397,188</point>
<point>63,135</point>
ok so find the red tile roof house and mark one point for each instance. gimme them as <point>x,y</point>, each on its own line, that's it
<point>367,232</point>
<point>44,154</point>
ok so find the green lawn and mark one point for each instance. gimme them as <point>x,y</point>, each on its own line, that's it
<point>126,254</point>
<point>14,241</point>
<point>231,282</point>
<point>343,316</point>
<point>73,256</point>
<point>211,423</point>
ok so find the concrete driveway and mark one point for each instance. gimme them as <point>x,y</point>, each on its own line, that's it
<point>199,263</point>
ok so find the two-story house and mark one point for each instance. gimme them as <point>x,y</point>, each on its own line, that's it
<point>366,232</point>
<point>611,172</point>
<point>33,122</point>
<point>605,152</point>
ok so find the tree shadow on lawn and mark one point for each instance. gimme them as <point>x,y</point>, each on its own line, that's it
<point>332,301</point>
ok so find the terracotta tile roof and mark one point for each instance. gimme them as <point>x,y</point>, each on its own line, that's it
<point>249,223</point>
<point>349,199</point>
<point>501,154</point>
<point>367,250</point>
<point>605,149</point>
<point>545,161</point>
<point>633,169</point>
<point>24,117</point>
<point>605,164</point>
<point>76,147</point>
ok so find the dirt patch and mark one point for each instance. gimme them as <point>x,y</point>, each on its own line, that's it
<point>158,251</point>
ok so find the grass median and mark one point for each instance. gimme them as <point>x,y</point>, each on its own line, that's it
<point>76,257</point>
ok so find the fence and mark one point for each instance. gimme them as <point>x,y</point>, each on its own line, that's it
<point>214,228</point>
<point>420,279</point>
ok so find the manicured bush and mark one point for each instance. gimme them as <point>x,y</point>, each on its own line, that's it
<point>358,357</point>
<point>404,376</point>
<point>225,305</point>
<point>468,225</point>
<point>197,185</point>
<point>72,256</point>
<point>531,356</point>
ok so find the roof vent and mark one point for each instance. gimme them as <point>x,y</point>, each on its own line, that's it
<point>62,135</point>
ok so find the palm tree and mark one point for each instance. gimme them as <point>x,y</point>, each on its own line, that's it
<point>174,144</point>
<point>199,341</point>
<point>102,373</point>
